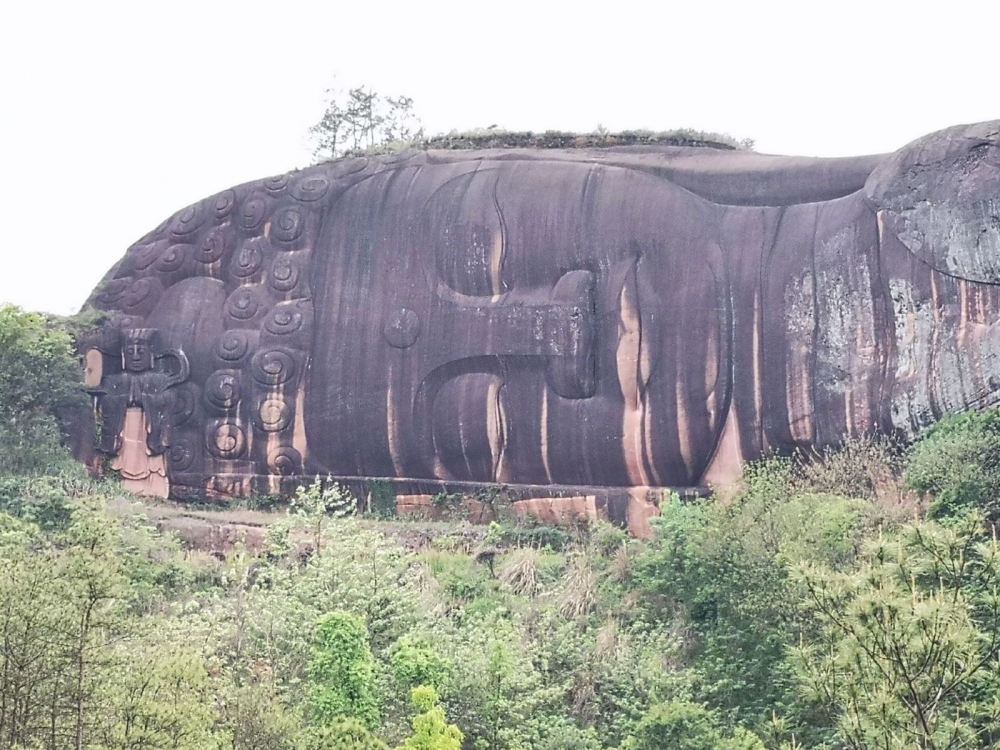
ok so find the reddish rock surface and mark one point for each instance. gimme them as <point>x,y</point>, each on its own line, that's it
<point>565,323</point>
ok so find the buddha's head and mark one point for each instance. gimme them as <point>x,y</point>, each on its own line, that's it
<point>940,195</point>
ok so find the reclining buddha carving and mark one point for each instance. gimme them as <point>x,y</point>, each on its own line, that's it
<point>606,322</point>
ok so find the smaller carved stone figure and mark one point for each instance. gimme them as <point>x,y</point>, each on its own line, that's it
<point>135,407</point>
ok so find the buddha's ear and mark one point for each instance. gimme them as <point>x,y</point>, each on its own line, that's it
<point>940,195</point>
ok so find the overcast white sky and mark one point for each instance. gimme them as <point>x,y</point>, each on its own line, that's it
<point>114,115</point>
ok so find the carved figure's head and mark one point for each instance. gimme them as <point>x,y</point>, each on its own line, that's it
<point>938,199</point>
<point>940,195</point>
<point>138,349</point>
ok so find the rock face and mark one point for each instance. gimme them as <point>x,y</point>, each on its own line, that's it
<point>598,323</point>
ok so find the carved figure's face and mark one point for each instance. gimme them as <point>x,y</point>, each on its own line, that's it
<point>138,356</point>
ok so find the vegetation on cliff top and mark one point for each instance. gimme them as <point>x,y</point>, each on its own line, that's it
<point>363,121</point>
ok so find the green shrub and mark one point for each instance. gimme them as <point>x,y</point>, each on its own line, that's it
<point>866,468</point>
<point>907,647</point>
<point>43,500</point>
<point>431,730</point>
<point>341,734</point>
<point>383,498</point>
<point>342,671</point>
<point>416,662</point>
<point>958,463</point>
<point>460,576</point>
<point>724,569</point>
<point>39,377</point>
<point>679,725</point>
<point>530,533</point>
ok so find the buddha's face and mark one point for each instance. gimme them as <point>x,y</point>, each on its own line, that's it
<point>138,355</point>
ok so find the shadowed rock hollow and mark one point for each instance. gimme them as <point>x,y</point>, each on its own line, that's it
<point>597,324</point>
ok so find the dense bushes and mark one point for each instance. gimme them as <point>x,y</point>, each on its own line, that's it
<point>958,464</point>
<point>812,607</point>
<point>907,642</point>
<point>733,628</point>
<point>39,376</point>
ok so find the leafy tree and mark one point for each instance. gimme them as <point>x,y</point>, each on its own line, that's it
<point>908,653</point>
<point>735,594</point>
<point>726,569</point>
<point>63,614</point>
<point>39,376</point>
<point>32,616</point>
<point>314,503</point>
<point>37,499</point>
<point>257,719</point>
<point>431,731</point>
<point>163,704</point>
<point>343,671</point>
<point>415,662</point>
<point>683,725</point>
<point>958,463</point>
<point>361,119</point>
<point>96,595</point>
<point>341,734</point>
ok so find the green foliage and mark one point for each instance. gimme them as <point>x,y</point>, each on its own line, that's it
<point>725,569</point>
<point>908,650</point>
<point>342,671</point>
<point>256,719</point>
<point>958,463</point>
<point>415,662</point>
<point>683,725</point>
<point>363,120</point>
<point>530,533</point>
<point>431,730</point>
<point>313,504</point>
<point>382,499</point>
<point>163,703</point>
<point>79,667</point>
<point>39,377</point>
<point>340,734</point>
<point>461,577</point>
<point>795,610</point>
<point>494,137</point>
<point>866,468</point>
<point>41,500</point>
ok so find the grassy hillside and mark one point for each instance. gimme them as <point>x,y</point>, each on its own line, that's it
<point>817,606</point>
<point>848,600</point>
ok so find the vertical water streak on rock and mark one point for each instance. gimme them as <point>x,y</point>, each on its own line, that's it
<point>800,315</point>
<point>496,426</point>
<point>392,427</point>
<point>498,249</point>
<point>683,433</point>
<point>933,373</point>
<point>629,380</point>
<point>756,373</point>
<point>544,434</point>
<point>299,439</point>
